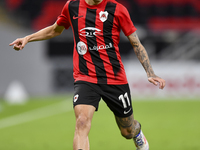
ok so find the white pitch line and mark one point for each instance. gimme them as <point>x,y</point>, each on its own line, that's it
<point>35,114</point>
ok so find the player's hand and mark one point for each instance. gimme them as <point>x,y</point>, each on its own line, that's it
<point>19,44</point>
<point>156,81</point>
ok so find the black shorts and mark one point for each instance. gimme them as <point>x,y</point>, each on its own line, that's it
<point>117,97</point>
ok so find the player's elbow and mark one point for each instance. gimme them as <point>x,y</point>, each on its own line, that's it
<point>56,33</point>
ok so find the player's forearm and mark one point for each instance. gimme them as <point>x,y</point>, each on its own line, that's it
<point>141,54</point>
<point>144,59</point>
<point>43,34</point>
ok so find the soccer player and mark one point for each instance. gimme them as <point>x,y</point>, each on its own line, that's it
<point>97,67</point>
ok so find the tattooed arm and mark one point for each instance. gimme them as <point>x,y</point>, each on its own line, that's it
<point>144,60</point>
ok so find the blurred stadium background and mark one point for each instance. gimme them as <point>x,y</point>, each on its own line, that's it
<point>170,32</point>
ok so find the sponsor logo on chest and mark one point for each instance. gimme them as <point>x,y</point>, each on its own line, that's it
<point>96,48</point>
<point>82,47</point>
<point>90,32</point>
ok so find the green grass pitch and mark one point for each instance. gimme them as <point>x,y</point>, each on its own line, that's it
<point>48,124</point>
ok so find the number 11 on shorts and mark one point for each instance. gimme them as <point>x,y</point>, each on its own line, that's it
<point>125,100</point>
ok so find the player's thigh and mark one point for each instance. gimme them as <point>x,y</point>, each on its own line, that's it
<point>86,94</point>
<point>86,101</point>
<point>118,99</point>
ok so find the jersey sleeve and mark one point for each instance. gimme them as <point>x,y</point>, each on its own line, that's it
<point>64,19</point>
<point>125,21</point>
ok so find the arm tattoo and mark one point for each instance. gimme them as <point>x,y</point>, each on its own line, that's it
<point>141,54</point>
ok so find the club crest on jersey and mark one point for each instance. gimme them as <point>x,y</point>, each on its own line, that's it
<point>103,16</point>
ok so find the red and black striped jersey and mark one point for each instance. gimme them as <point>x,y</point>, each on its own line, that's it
<point>96,29</point>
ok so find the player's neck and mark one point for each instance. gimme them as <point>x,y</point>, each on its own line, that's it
<point>93,2</point>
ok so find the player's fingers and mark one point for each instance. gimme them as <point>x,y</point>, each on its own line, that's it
<point>22,46</point>
<point>14,42</point>
<point>16,47</point>
<point>161,82</point>
<point>152,81</point>
<point>11,44</point>
<point>161,85</point>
